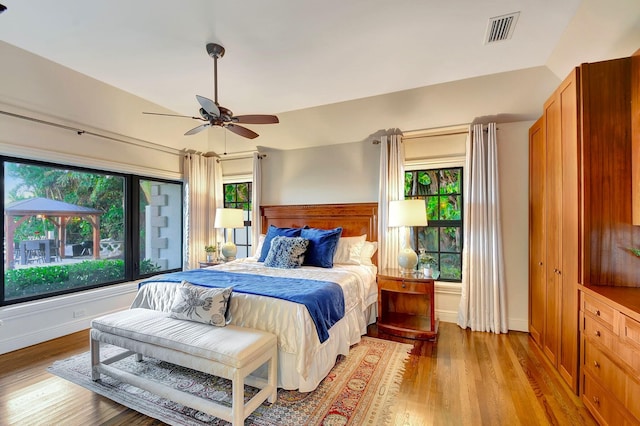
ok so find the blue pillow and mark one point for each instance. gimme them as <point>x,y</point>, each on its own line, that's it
<point>322,246</point>
<point>272,232</point>
<point>286,252</point>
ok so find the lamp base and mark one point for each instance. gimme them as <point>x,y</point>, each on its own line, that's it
<point>229,251</point>
<point>407,261</point>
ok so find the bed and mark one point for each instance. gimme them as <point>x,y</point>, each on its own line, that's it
<point>306,354</point>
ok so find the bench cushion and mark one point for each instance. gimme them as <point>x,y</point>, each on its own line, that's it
<point>232,346</point>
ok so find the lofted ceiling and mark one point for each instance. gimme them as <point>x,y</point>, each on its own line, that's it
<point>288,55</point>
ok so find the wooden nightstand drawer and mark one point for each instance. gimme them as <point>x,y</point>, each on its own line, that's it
<point>404,285</point>
<point>598,310</point>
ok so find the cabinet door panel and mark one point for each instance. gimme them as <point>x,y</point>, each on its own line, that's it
<point>553,214</point>
<point>569,266</point>
<point>537,233</point>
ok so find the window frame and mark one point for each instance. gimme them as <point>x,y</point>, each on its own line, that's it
<point>247,223</point>
<point>131,231</point>
<point>438,164</point>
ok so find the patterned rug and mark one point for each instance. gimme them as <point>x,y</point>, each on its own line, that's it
<point>359,390</point>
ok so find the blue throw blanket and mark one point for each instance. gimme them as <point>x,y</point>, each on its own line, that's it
<point>324,300</point>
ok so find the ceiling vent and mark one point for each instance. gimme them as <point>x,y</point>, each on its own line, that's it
<point>501,27</point>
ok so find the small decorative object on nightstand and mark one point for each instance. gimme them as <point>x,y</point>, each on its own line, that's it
<point>406,305</point>
<point>211,252</point>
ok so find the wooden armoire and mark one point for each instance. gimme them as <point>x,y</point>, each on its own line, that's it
<point>580,219</point>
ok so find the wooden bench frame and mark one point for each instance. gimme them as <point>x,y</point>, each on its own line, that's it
<point>236,414</point>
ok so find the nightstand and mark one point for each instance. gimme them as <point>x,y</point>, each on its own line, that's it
<point>204,264</point>
<point>406,305</point>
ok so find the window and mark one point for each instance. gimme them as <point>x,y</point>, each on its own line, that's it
<point>442,238</point>
<point>68,228</point>
<point>238,196</point>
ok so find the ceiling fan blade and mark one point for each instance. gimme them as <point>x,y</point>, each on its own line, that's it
<point>256,119</point>
<point>208,105</point>
<point>242,131</point>
<point>173,115</point>
<point>197,129</point>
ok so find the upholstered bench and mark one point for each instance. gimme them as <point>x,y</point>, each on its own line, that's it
<point>231,352</point>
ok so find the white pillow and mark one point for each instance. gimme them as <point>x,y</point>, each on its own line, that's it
<point>348,250</point>
<point>201,304</point>
<point>259,247</point>
<point>368,250</point>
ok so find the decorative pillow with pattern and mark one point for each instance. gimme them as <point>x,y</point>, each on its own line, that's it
<point>286,252</point>
<point>201,304</point>
<point>273,232</point>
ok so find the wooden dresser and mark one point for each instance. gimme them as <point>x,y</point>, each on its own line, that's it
<point>580,209</point>
<point>610,355</point>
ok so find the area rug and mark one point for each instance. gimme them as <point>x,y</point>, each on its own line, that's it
<point>359,390</point>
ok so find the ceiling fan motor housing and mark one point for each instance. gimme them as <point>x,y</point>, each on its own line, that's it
<point>215,50</point>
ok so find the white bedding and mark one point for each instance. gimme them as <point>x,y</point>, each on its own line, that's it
<point>302,360</point>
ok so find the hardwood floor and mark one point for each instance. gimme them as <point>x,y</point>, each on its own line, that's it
<point>464,378</point>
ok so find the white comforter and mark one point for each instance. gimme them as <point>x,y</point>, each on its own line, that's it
<point>303,359</point>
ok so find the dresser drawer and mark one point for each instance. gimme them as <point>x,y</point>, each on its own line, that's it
<point>599,310</point>
<point>604,370</point>
<point>601,404</point>
<point>596,331</point>
<point>404,285</point>
<point>630,331</point>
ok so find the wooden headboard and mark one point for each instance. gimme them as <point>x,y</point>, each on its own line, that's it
<point>355,219</point>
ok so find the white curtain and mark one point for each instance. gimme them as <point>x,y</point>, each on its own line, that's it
<point>203,193</point>
<point>482,305</point>
<point>256,196</point>
<point>391,189</point>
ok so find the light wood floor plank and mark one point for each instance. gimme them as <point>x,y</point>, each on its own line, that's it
<point>463,378</point>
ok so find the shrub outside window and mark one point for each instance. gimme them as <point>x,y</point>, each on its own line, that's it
<point>442,238</point>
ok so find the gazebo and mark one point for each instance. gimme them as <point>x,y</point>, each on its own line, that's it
<point>57,212</point>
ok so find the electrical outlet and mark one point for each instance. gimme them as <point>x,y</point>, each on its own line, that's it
<point>79,314</point>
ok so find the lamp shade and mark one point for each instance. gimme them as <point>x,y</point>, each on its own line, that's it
<point>407,213</point>
<point>229,218</point>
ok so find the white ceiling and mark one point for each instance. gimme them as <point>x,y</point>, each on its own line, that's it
<point>282,55</point>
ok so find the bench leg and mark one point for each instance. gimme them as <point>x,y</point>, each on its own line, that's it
<point>237,397</point>
<point>138,357</point>
<point>273,375</point>
<point>95,359</point>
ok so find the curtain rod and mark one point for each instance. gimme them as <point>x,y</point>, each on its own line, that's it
<point>81,132</point>
<point>231,156</point>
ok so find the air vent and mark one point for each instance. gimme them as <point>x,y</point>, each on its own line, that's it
<point>501,27</point>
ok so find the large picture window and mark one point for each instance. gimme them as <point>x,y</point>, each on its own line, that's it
<point>68,229</point>
<point>442,238</point>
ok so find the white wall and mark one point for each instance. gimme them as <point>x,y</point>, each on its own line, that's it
<point>346,173</point>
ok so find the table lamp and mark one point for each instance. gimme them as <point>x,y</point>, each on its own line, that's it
<point>228,219</point>
<point>407,213</point>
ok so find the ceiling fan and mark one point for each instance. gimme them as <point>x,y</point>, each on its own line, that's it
<point>216,115</point>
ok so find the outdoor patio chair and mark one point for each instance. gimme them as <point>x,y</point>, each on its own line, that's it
<point>34,251</point>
